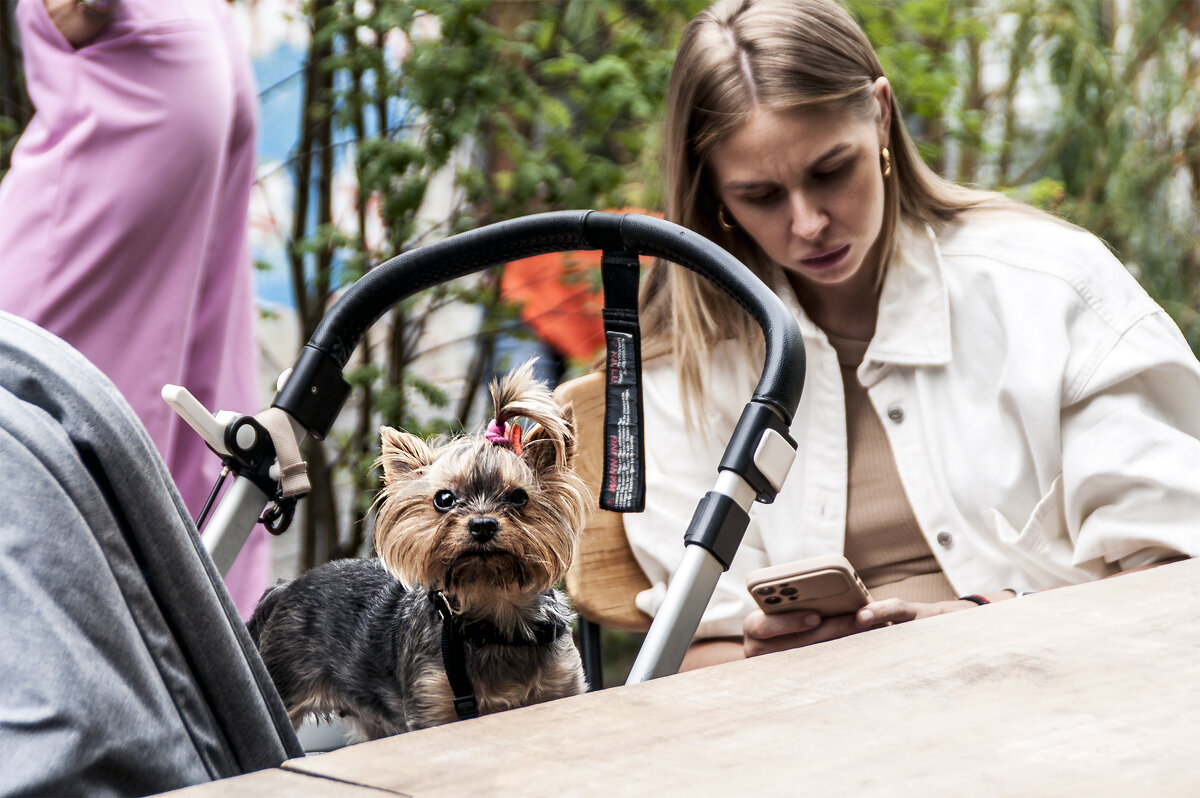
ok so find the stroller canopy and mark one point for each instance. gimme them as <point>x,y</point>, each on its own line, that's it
<point>124,664</point>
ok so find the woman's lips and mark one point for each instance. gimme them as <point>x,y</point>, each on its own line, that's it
<point>827,259</point>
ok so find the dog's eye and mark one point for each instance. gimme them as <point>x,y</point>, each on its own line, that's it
<point>444,500</point>
<point>518,497</point>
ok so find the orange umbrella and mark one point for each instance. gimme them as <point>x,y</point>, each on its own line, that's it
<point>560,298</point>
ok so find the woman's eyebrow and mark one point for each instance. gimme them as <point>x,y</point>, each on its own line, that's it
<point>833,152</point>
<point>742,185</point>
<point>830,154</point>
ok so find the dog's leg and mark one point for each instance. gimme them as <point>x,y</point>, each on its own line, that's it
<point>432,700</point>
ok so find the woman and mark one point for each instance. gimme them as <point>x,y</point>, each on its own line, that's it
<point>992,404</point>
<point>123,218</point>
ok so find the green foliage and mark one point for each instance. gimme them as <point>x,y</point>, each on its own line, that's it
<point>558,96</point>
<point>555,105</point>
<point>9,132</point>
<point>916,42</point>
<point>1110,134</point>
<point>534,106</point>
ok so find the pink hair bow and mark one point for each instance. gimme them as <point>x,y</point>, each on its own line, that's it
<point>509,436</point>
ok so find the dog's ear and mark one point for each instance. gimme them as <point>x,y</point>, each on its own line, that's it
<point>401,453</point>
<point>546,451</point>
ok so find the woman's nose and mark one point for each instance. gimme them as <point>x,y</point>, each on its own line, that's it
<point>808,220</point>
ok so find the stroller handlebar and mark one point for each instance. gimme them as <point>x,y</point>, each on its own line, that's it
<point>315,392</point>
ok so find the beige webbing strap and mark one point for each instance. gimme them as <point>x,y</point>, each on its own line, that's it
<point>293,471</point>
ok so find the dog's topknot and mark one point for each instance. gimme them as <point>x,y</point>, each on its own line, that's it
<point>519,394</point>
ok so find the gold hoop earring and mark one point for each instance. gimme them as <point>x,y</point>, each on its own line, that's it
<point>887,162</point>
<point>721,218</point>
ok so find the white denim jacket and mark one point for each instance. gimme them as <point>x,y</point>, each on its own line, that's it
<point>1043,411</point>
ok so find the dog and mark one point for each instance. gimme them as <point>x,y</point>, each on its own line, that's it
<point>458,615</point>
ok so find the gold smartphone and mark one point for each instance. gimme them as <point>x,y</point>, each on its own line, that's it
<point>826,585</point>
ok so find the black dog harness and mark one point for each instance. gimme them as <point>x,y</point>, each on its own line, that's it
<point>455,632</point>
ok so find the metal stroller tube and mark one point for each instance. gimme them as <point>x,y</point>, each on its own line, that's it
<point>758,456</point>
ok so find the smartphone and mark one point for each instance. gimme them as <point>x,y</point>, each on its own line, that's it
<point>826,585</point>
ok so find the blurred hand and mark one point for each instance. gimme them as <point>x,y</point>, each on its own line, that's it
<point>77,24</point>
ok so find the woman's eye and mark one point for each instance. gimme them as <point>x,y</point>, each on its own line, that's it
<point>760,198</point>
<point>444,500</point>
<point>518,498</point>
<point>826,175</point>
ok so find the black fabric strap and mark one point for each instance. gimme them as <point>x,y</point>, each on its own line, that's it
<point>624,486</point>
<point>484,633</point>
<point>454,656</point>
<point>454,659</point>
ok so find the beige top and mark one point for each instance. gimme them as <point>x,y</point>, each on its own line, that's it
<point>883,541</point>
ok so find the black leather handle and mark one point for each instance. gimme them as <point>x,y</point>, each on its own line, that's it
<point>315,391</point>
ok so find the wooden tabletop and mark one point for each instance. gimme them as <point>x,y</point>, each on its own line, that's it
<point>1089,690</point>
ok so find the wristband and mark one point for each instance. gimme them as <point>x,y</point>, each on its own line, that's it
<point>975,598</point>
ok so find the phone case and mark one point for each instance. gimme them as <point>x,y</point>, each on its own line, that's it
<point>826,585</point>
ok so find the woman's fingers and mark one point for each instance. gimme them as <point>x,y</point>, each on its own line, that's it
<point>759,624</point>
<point>881,613</point>
<point>764,634</point>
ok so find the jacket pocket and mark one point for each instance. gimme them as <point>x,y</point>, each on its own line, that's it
<point>1042,546</point>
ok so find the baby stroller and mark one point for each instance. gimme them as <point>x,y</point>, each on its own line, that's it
<point>125,665</point>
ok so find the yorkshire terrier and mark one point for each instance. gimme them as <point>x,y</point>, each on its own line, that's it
<point>458,616</point>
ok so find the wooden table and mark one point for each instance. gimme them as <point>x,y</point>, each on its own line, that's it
<point>1089,690</point>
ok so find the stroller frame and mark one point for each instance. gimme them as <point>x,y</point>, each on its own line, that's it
<point>753,468</point>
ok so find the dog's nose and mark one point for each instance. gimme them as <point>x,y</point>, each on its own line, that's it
<point>483,529</point>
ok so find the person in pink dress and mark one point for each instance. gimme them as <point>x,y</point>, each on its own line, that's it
<point>123,220</point>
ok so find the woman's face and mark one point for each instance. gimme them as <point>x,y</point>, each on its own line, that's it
<point>807,186</point>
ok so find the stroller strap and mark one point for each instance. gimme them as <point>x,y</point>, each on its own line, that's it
<point>623,487</point>
<point>293,471</point>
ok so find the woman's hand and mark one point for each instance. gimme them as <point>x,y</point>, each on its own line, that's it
<point>79,24</point>
<point>763,634</point>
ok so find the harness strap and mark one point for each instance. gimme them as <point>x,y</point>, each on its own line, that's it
<point>482,633</point>
<point>454,659</point>
<point>455,632</point>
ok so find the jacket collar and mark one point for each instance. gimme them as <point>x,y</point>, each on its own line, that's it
<point>913,328</point>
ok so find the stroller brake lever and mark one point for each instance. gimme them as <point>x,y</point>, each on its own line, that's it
<point>209,426</point>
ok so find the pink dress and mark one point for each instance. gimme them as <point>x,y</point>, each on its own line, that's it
<point>123,220</point>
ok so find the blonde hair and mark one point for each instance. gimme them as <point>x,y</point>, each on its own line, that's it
<point>735,56</point>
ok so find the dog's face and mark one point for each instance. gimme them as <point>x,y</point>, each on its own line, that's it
<point>477,520</point>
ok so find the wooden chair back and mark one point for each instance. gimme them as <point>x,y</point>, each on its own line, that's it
<point>605,577</point>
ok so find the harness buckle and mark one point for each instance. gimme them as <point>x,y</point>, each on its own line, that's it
<point>442,603</point>
<point>466,706</point>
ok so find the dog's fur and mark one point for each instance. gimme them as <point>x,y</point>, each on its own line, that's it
<point>361,639</point>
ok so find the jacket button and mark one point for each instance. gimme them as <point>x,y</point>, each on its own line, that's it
<point>945,539</point>
<point>896,413</point>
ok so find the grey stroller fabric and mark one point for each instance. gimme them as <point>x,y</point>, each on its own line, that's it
<point>124,667</point>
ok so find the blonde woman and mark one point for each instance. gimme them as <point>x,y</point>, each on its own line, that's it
<point>992,404</point>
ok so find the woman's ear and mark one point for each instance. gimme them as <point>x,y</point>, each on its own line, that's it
<point>883,98</point>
